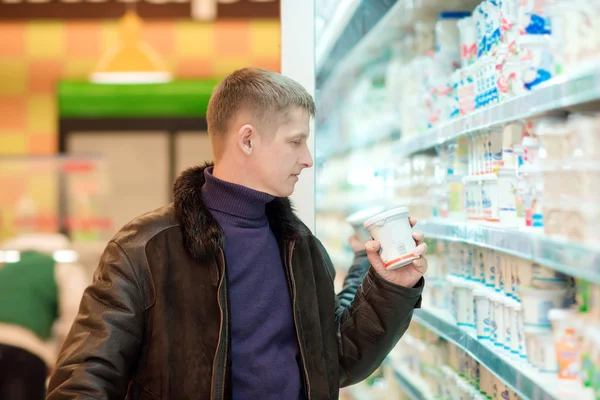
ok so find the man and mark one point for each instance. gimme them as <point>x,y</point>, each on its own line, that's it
<point>39,298</point>
<point>225,293</point>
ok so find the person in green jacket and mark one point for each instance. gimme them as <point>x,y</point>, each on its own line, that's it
<point>39,299</point>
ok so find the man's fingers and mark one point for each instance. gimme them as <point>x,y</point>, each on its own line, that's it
<point>420,250</point>
<point>412,221</point>
<point>420,264</point>
<point>418,236</point>
<point>373,247</point>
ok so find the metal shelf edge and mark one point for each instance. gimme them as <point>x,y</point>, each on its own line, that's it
<point>520,383</point>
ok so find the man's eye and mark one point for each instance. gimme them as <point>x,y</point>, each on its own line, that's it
<point>296,143</point>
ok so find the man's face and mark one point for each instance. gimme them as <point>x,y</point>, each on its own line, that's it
<point>283,154</point>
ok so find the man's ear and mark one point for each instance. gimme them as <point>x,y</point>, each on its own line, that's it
<point>246,137</point>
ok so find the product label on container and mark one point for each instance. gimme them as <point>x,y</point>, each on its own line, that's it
<point>492,25</point>
<point>532,18</point>
<point>480,27</point>
<point>567,356</point>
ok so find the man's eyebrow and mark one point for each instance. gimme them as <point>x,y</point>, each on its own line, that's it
<point>300,135</point>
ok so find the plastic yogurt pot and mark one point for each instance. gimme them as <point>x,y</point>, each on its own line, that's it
<point>537,303</point>
<point>392,230</point>
<point>543,355</point>
<point>546,278</point>
<point>482,312</point>
<point>358,219</point>
<point>515,334</point>
<point>499,319</point>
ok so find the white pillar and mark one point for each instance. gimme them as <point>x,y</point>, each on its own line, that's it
<point>298,62</point>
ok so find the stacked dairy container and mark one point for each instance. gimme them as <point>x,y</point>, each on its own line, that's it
<point>525,310</point>
<point>503,49</point>
<point>447,371</point>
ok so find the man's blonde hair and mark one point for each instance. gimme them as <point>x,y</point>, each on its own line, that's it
<point>266,94</point>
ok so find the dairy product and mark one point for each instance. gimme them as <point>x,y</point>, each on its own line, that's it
<point>357,220</point>
<point>482,312</point>
<point>392,230</point>
<point>537,59</point>
<point>468,40</point>
<point>540,346</point>
<point>533,18</point>
<point>538,302</point>
<point>566,342</point>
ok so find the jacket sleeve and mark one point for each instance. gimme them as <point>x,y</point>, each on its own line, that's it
<point>356,274</point>
<point>105,339</point>
<point>371,325</point>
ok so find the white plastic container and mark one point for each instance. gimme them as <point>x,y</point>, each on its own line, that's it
<point>507,275</point>
<point>540,343</point>
<point>392,229</point>
<point>490,269</point>
<point>538,302</point>
<point>507,199</point>
<point>507,323</point>
<point>358,219</point>
<point>546,278</point>
<point>468,40</point>
<point>499,316</point>
<point>515,334</point>
<point>489,199</point>
<point>537,59</point>
<point>511,136</point>
<point>482,312</point>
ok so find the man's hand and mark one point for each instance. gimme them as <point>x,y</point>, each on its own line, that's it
<point>407,276</point>
<point>356,244</point>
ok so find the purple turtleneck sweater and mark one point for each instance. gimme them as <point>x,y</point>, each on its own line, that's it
<point>264,347</point>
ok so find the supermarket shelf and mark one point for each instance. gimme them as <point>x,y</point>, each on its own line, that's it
<point>525,382</point>
<point>559,93</point>
<point>346,32</point>
<point>569,258</point>
<point>407,381</point>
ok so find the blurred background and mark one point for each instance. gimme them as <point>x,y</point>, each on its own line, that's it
<point>480,116</point>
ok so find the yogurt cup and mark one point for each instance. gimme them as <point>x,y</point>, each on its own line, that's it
<point>482,313</point>
<point>515,339</point>
<point>358,219</point>
<point>542,354</point>
<point>392,230</point>
<point>538,302</point>
<point>468,40</point>
<point>500,339</point>
<point>546,278</point>
<point>507,302</point>
<point>537,59</point>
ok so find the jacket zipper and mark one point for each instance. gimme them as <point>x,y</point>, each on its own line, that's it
<point>302,358</point>
<point>214,370</point>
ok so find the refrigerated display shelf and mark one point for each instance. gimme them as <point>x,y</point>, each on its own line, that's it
<point>567,257</point>
<point>522,379</point>
<point>347,32</point>
<point>559,93</point>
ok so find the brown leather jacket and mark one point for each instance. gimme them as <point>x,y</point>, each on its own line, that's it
<point>154,324</point>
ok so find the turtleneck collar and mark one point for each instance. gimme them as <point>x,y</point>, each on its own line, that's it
<point>233,199</point>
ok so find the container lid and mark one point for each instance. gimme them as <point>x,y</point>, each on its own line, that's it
<point>359,217</point>
<point>454,14</point>
<point>535,330</point>
<point>557,314</point>
<point>385,215</point>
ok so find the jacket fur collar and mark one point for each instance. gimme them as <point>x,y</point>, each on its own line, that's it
<point>202,234</point>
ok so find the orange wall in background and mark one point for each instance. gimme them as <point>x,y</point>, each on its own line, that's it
<point>35,55</point>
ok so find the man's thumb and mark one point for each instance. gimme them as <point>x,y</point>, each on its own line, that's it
<point>373,255</point>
